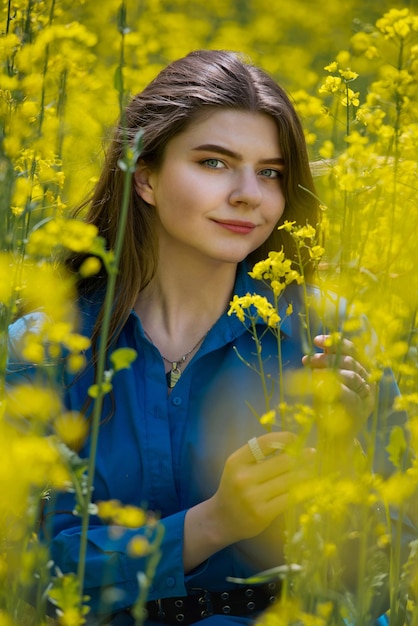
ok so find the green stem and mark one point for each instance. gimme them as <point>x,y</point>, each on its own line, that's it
<point>279,356</point>
<point>147,578</point>
<point>395,566</point>
<point>101,363</point>
<point>61,110</point>
<point>346,225</point>
<point>104,338</point>
<point>267,396</point>
<point>306,301</point>
<point>9,13</point>
<point>347,114</point>
<point>411,333</point>
<point>44,73</point>
<point>397,129</point>
<point>27,28</point>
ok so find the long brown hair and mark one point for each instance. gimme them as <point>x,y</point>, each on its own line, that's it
<point>203,80</point>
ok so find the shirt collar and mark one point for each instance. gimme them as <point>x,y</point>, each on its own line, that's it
<point>229,327</point>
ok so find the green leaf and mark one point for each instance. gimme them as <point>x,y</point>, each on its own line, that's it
<point>281,571</point>
<point>118,79</point>
<point>397,446</point>
<point>122,25</point>
<point>122,358</point>
<point>99,390</point>
<point>122,165</point>
<point>138,144</point>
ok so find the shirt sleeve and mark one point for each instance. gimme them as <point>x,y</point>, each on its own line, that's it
<point>18,368</point>
<point>111,574</point>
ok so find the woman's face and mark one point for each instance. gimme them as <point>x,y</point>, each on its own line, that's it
<point>218,193</point>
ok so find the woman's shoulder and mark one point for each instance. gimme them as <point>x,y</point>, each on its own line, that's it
<point>33,324</point>
<point>30,323</point>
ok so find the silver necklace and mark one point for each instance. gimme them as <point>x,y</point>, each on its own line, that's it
<point>175,372</point>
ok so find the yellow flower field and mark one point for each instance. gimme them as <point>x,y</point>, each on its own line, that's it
<point>67,69</point>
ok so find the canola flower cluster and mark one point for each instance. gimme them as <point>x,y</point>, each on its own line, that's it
<point>61,62</point>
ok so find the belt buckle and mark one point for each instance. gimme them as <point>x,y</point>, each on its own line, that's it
<point>161,612</point>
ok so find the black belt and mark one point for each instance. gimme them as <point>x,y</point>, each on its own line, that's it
<point>202,603</point>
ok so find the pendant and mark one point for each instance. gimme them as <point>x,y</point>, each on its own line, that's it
<point>173,375</point>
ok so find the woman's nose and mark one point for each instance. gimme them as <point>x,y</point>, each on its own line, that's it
<point>246,189</point>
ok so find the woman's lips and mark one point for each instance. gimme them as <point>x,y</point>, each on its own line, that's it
<point>236,226</point>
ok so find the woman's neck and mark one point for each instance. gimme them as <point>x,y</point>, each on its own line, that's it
<point>180,305</point>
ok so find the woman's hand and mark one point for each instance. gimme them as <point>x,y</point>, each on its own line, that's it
<point>250,496</point>
<point>355,393</point>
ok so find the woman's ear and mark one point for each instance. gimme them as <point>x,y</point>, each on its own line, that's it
<point>142,183</point>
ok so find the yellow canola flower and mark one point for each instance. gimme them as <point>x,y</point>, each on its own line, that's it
<point>334,339</point>
<point>275,267</point>
<point>21,195</point>
<point>282,613</point>
<point>359,43</point>
<point>90,267</point>
<point>34,53</point>
<point>29,461</point>
<point>398,489</point>
<point>75,363</point>
<point>397,23</point>
<point>327,149</point>
<point>121,515</point>
<point>241,306</point>
<point>47,288</point>
<point>371,117</point>
<point>348,74</point>
<point>331,67</point>
<point>351,97</point>
<point>8,45</point>
<point>306,104</point>
<point>71,617</point>
<point>332,84</point>
<point>71,234</point>
<point>62,332</point>
<point>71,428</point>
<point>304,232</point>
<point>268,418</point>
<point>32,403</point>
<point>408,402</point>
<point>236,308</point>
<point>78,236</point>
<point>7,282</point>
<point>316,253</point>
<point>138,547</point>
<point>287,226</point>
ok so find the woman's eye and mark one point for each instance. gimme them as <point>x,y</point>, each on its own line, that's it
<point>271,173</point>
<point>213,163</point>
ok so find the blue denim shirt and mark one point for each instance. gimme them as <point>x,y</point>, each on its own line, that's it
<point>166,452</point>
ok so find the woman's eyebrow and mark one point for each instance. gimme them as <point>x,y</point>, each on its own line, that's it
<point>210,147</point>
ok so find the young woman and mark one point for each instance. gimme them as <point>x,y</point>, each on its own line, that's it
<point>224,162</point>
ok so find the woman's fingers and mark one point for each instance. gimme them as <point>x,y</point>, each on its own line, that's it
<point>339,376</point>
<point>355,382</point>
<point>342,346</point>
<point>352,375</point>
<point>252,493</point>
<point>340,358</point>
<point>259,448</point>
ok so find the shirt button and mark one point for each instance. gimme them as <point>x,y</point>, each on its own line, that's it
<point>170,581</point>
<point>177,401</point>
